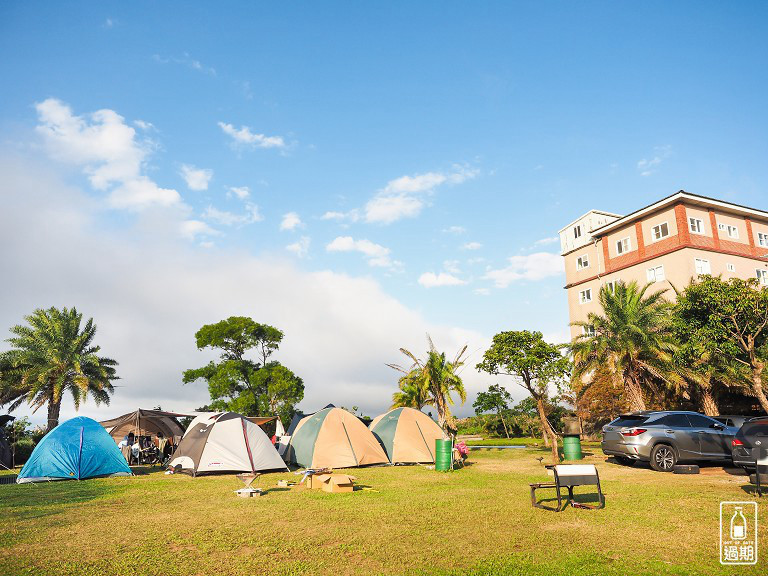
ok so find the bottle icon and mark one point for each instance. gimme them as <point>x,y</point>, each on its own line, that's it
<point>738,525</point>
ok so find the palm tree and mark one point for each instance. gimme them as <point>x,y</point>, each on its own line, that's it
<point>708,371</point>
<point>53,355</point>
<point>412,393</point>
<point>437,377</point>
<point>631,344</point>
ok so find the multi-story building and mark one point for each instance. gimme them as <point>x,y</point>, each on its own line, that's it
<point>668,243</point>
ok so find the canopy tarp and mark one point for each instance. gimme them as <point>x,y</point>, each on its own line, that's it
<point>146,423</point>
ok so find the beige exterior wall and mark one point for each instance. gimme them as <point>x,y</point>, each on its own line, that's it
<point>628,231</point>
<point>677,253</point>
<point>730,220</point>
<point>762,228</point>
<point>648,224</point>
<point>595,263</point>
<point>699,214</point>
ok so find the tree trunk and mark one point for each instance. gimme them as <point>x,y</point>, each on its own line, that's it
<point>634,393</point>
<point>506,432</point>
<point>548,431</point>
<point>708,403</point>
<point>757,383</point>
<point>53,414</point>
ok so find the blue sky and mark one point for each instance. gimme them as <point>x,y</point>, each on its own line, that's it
<point>430,150</point>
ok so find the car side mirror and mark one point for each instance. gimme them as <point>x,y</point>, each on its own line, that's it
<point>717,426</point>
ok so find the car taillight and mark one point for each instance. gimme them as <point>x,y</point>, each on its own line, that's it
<point>633,432</point>
<point>737,442</point>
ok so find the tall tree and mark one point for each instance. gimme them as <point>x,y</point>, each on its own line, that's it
<point>496,399</point>
<point>535,364</point>
<point>412,392</point>
<point>631,344</point>
<point>54,354</point>
<point>438,376</point>
<point>730,318</point>
<point>239,383</point>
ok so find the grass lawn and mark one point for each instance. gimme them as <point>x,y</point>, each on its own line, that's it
<point>473,521</point>
<point>530,442</point>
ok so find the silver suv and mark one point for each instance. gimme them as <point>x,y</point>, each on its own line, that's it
<point>665,438</point>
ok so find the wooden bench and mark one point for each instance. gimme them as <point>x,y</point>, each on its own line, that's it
<point>569,476</point>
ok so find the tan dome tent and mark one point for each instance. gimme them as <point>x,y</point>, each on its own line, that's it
<point>225,442</point>
<point>333,438</point>
<point>407,435</point>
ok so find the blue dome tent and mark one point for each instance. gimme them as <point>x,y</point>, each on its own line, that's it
<point>76,449</point>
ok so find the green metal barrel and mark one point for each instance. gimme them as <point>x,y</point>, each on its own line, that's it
<point>572,448</point>
<point>443,455</point>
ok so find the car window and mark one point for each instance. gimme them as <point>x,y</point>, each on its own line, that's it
<point>629,420</point>
<point>699,421</point>
<point>755,429</point>
<point>674,421</point>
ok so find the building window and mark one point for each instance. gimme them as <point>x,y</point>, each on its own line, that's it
<point>762,275</point>
<point>623,245</point>
<point>660,231</point>
<point>588,330</point>
<point>702,266</point>
<point>762,239</point>
<point>582,262</point>
<point>732,231</point>
<point>611,285</point>
<point>577,231</point>
<point>730,267</point>
<point>585,296</point>
<point>655,274</point>
<point>696,226</point>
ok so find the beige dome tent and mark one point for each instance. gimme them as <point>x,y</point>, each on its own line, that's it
<point>225,442</point>
<point>407,435</point>
<point>333,438</point>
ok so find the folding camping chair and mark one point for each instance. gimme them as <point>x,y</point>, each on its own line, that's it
<point>760,477</point>
<point>569,476</point>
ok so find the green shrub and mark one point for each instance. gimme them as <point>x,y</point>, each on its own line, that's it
<point>23,449</point>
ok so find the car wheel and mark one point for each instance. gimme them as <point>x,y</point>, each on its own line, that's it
<point>625,461</point>
<point>663,458</point>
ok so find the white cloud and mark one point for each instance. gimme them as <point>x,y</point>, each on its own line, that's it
<point>245,137</point>
<point>107,151</point>
<point>482,291</point>
<point>186,60</point>
<point>432,280</point>
<point>452,266</point>
<point>192,229</point>
<point>647,166</point>
<point>300,247</point>
<point>225,218</point>
<point>242,192</point>
<point>290,221</point>
<point>196,178</point>
<point>406,196</point>
<point>351,216</point>
<point>146,126</point>
<point>455,230</point>
<point>472,246</point>
<point>546,241</point>
<point>536,266</point>
<point>376,254</point>
<point>159,292</point>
